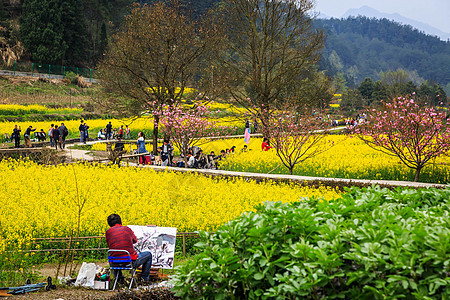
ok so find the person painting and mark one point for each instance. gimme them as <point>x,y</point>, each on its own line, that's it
<point>120,237</point>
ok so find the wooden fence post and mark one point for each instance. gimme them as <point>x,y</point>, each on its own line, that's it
<point>184,244</point>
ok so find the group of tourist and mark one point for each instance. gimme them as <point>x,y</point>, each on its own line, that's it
<point>109,133</point>
<point>57,135</point>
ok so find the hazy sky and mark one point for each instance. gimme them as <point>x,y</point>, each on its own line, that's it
<point>433,12</point>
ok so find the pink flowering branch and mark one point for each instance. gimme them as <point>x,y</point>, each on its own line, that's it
<point>296,134</point>
<point>403,129</point>
<point>186,128</point>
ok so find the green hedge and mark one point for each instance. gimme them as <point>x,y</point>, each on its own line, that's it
<point>370,244</point>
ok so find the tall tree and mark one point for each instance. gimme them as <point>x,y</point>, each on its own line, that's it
<point>52,30</point>
<point>151,61</point>
<point>270,46</point>
<point>11,49</point>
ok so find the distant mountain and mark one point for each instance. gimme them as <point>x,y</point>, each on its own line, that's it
<point>373,13</point>
<point>360,47</point>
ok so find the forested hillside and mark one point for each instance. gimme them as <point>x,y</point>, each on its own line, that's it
<point>76,33</point>
<point>360,47</point>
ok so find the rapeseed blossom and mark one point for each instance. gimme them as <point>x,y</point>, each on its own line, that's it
<point>45,201</point>
<point>348,158</point>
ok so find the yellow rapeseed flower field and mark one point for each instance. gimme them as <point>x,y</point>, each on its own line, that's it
<point>144,123</point>
<point>45,201</point>
<point>348,158</point>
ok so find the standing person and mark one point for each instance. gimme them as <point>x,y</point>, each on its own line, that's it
<point>108,131</point>
<point>120,237</point>
<point>50,135</point>
<point>81,129</point>
<point>166,151</point>
<point>247,125</point>
<point>16,134</point>
<point>63,132</point>
<point>57,137</point>
<point>141,146</point>
<point>127,133</point>
<point>86,132</point>
<point>26,136</point>
<point>120,132</point>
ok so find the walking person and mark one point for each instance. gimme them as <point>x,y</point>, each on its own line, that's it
<point>63,133</point>
<point>26,136</point>
<point>81,129</point>
<point>50,135</point>
<point>16,134</point>
<point>56,137</point>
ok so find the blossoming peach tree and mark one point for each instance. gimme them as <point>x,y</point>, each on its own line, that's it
<point>296,133</point>
<point>408,131</point>
<point>189,127</point>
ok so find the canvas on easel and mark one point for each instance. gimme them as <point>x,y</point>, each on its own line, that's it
<point>160,241</point>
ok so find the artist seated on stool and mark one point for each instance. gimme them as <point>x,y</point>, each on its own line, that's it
<point>120,237</point>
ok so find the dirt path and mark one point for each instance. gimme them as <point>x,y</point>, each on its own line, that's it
<point>66,293</point>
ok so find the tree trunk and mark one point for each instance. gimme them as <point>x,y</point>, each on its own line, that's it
<point>416,177</point>
<point>291,170</point>
<point>155,135</point>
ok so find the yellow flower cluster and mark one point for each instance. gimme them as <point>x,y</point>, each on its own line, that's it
<point>16,109</point>
<point>143,123</point>
<point>41,201</point>
<point>348,158</point>
<point>72,125</point>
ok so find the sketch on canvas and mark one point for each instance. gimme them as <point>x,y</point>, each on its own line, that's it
<point>160,241</point>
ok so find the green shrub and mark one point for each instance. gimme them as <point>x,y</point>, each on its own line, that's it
<point>71,76</point>
<point>370,244</point>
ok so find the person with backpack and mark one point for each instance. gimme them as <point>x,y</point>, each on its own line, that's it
<point>63,134</point>
<point>50,135</point>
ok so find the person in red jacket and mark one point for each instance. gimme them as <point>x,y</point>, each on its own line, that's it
<point>120,237</point>
<point>265,145</point>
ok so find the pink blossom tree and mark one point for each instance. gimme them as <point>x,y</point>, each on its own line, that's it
<point>188,127</point>
<point>296,134</point>
<point>403,129</point>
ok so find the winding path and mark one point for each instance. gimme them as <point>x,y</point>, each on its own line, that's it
<point>84,155</point>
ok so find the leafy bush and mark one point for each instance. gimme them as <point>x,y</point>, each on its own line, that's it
<point>370,244</point>
<point>71,76</point>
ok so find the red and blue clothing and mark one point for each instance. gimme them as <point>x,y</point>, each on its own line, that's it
<point>123,238</point>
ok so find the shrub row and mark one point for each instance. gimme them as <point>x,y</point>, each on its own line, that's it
<point>52,117</point>
<point>372,243</point>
